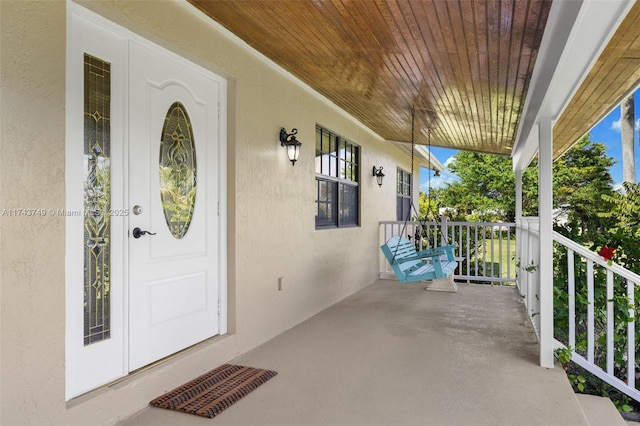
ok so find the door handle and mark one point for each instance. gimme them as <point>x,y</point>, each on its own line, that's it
<point>137,233</point>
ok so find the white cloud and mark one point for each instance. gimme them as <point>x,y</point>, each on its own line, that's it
<point>438,181</point>
<point>445,177</point>
<point>615,126</point>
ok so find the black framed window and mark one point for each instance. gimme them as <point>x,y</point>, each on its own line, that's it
<point>403,191</point>
<point>337,178</point>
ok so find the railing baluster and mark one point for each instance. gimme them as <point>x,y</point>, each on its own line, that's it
<point>500,251</point>
<point>631,336</point>
<point>590,322</point>
<point>468,250</point>
<point>509,251</point>
<point>572,297</point>
<point>610,336</point>
<point>484,249</point>
<point>476,257</point>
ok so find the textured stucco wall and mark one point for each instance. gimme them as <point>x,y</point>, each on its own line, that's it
<point>271,207</point>
<point>32,86</point>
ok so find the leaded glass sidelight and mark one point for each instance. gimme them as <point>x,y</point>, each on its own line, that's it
<point>177,170</point>
<point>97,199</point>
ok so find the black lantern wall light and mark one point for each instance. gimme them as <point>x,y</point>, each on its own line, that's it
<point>378,175</point>
<point>293,145</point>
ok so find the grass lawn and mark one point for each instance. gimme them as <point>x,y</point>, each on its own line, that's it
<point>496,258</point>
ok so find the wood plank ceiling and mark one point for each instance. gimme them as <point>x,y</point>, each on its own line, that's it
<point>464,65</point>
<point>613,77</point>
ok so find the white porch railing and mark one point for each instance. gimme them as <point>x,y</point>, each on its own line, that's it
<point>485,250</point>
<point>527,261</point>
<point>515,249</point>
<point>598,344</point>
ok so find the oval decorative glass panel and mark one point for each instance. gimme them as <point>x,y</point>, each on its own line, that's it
<point>178,170</point>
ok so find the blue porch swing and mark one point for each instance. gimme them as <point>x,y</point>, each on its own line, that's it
<point>410,265</point>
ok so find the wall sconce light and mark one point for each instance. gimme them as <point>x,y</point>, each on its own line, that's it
<point>378,174</point>
<point>293,145</point>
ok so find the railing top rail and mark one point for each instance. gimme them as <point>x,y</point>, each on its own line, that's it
<point>496,224</point>
<point>415,222</point>
<point>583,251</point>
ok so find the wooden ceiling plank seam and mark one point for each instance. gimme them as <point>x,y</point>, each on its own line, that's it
<point>441,94</point>
<point>422,66</point>
<point>324,34</point>
<point>629,24</point>
<point>276,28</point>
<point>409,77</point>
<point>518,91</point>
<point>469,30</point>
<point>325,30</point>
<point>339,95</point>
<point>467,127</point>
<point>493,75</point>
<point>502,71</point>
<point>349,26</point>
<point>592,104</point>
<point>594,111</point>
<point>468,35</point>
<point>504,65</point>
<point>288,55</point>
<point>483,71</point>
<point>516,86</point>
<point>453,83</point>
<point>376,25</point>
<point>401,22</point>
<point>226,9</point>
<point>396,35</point>
<point>595,97</point>
<point>252,9</point>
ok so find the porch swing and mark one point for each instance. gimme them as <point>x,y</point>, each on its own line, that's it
<point>436,264</point>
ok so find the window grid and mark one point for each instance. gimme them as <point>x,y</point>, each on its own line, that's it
<point>337,176</point>
<point>403,190</point>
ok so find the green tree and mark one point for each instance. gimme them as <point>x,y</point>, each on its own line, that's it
<point>624,231</point>
<point>428,206</point>
<point>486,187</point>
<point>485,190</point>
<point>581,185</point>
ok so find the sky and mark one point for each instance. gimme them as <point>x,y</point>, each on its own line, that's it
<point>606,131</point>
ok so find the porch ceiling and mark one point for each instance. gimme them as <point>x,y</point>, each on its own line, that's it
<point>464,65</point>
<point>614,75</point>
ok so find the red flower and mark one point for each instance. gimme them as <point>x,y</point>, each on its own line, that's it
<point>607,252</point>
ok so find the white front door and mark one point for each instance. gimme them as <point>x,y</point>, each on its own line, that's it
<point>132,301</point>
<point>174,195</point>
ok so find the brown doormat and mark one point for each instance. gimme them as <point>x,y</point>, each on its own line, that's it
<point>213,392</point>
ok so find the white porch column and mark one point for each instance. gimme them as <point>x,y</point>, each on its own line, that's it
<point>545,213</point>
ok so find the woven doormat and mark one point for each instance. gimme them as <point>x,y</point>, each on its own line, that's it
<point>213,392</point>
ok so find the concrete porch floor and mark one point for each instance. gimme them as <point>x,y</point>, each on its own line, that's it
<point>395,354</point>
